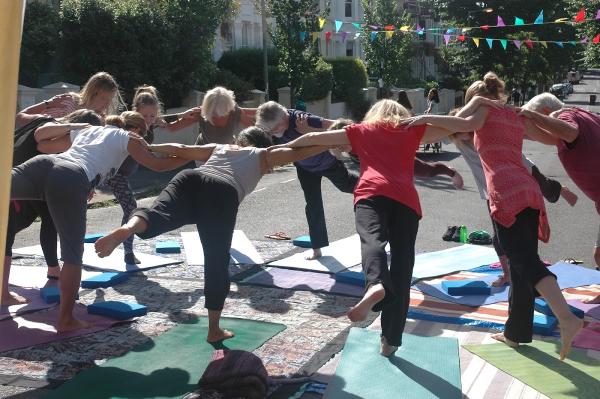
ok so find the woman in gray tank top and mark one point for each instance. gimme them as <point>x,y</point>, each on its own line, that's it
<point>209,197</point>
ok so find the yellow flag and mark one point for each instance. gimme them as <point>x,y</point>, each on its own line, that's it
<point>544,44</point>
<point>405,28</point>
<point>476,41</point>
<point>315,35</point>
<point>389,34</point>
<point>321,22</point>
<point>11,21</point>
<point>562,20</point>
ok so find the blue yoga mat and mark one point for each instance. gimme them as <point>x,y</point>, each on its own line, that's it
<point>568,276</point>
<point>452,260</point>
<point>424,367</point>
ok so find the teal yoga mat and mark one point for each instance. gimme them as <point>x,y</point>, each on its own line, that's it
<point>167,366</point>
<point>424,367</point>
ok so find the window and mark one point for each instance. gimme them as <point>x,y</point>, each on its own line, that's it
<point>350,48</point>
<point>348,8</point>
<point>245,33</point>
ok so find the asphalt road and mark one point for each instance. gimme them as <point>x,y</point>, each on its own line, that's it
<point>278,203</point>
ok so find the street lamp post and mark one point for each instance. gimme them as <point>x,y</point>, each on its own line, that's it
<point>264,43</point>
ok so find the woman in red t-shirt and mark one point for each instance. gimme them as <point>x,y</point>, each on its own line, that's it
<point>387,209</point>
<point>516,206</point>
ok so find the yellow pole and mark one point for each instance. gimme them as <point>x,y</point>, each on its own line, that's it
<point>11,21</point>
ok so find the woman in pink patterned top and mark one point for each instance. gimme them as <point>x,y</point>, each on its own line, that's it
<point>100,94</point>
<point>516,203</point>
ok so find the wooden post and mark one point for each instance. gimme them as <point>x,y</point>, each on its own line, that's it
<point>11,20</point>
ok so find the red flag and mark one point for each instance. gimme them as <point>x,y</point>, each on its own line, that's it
<point>596,39</point>
<point>529,43</point>
<point>461,38</point>
<point>580,17</point>
<point>389,27</point>
<point>327,36</point>
<point>485,27</point>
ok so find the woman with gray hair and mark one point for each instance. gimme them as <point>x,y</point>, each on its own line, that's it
<point>219,117</point>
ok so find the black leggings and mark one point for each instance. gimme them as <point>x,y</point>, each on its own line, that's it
<point>520,242</point>
<point>380,220</point>
<point>193,197</point>
<point>21,215</point>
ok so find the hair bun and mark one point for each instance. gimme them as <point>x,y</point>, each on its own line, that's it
<point>493,83</point>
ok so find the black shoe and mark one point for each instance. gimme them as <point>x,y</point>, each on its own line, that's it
<point>130,259</point>
<point>449,233</point>
<point>456,234</point>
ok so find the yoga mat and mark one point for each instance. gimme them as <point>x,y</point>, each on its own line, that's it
<point>35,302</point>
<point>38,328</point>
<point>464,257</point>
<point>590,309</point>
<point>35,277</point>
<point>537,365</point>
<point>589,338</point>
<point>567,276</point>
<point>114,262</point>
<point>167,366</point>
<point>424,367</point>
<point>300,280</point>
<point>338,256</point>
<point>242,250</point>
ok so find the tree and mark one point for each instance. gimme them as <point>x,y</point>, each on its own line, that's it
<point>519,67</point>
<point>387,57</point>
<point>165,43</point>
<point>298,53</point>
<point>590,52</point>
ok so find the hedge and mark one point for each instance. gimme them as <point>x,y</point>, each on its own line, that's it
<point>318,83</point>
<point>349,78</point>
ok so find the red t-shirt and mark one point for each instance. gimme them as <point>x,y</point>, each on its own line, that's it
<point>581,158</point>
<point>387,156</point>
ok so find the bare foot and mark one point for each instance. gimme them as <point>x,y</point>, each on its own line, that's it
<point>72,324</point>
<point>569,196</point>
<point>107,244</point>
<point>374,294</point>
<point>10,298</point>
<point>457,180</point>
<point>219,335</point>
<point>568,331</point>
<point>53,273</point>
<point>500,337</point>
<point>592,300</point>
<point>316,254</point>
<point>501,281</point>
<point>386,349</point>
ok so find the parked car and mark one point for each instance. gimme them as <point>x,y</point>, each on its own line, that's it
<point>569,87</point>
<point>575,76</point>
<point>559,90</point>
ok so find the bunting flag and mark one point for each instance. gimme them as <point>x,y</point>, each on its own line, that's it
<point>446,39</point>
<point>404,28</point>
<point>315,36</point>
<point>503,42</point>
<point>598,14</point>
<point>302,36</point>
<point>389,34</point>
<point>485,27</point>
<point>540,18</point>
<point>389,27</point>
<point>544,44</point>
<point>421,32</point>
<point>500,21</point>
<point>344,34</point>
<point>562,20</point>
<point>356,25</point>
<point>338,25</point>
<point>450,30</point>
<point>596,39</point>
<point>321,22</point>
<point>573,43</point>
<point>356,35</point>
<point>490,42</point>
<point>476,41</point>
<point>327,36</point>
<point>519,21</point>
<point>529,43</point>
<point>559,44</point>
<point>584,40</point>
<point>373,36</point>
<point>461,38</point>
<point>580,17</point>
<point>517,44</point>
<point>418,27</point>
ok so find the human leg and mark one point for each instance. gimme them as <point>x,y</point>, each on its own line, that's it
<point>315,214</point>
<point>504,278</point>
<point>428,170</point>
<point>124,195</point>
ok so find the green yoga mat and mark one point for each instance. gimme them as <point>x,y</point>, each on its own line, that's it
<point>167,366</point>
<point>537,365</point>
<point>424,367</point>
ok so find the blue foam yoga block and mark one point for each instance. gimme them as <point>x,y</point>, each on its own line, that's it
<point>544,324</point>
<point>104,280</point>
<point>168,247</point>
<point>50,294</point>
<point>542,306</point>
<point>350,277</point>
<point>466,287</point>
<point>302,241</point>
<point>92,237</point>
<point>117,309</point>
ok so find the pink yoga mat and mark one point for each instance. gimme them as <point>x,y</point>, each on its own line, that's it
<point>589,337</point>
<point>35,303</point>
<point>38,328</point>
<point>591,310</point>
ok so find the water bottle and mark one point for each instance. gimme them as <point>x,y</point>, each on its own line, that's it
<point>463,234</point>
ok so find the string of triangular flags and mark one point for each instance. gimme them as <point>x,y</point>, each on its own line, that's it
<point>458,34</point>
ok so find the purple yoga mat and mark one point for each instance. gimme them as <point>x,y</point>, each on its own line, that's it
<point>590,309</point>
<point>301,280</point>
<point>35,303</point>
<point>38,328</point>
<point>589,337</point>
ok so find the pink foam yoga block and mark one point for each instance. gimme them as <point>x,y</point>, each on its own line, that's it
<point>466,287</point>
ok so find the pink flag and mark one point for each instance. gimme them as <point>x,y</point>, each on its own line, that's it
<point>446,39</point>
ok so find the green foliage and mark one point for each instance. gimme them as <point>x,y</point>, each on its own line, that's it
<point>39,42</point>
<point>247,63</point>
<point>387,58</point>
<point>317,82</point>
<point>349,78</point>
<point>297,58</point>
<point>590,53</point>
<point>166,43</point>
<point>231,81</point>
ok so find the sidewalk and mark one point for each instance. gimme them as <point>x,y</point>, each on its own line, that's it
<point>581,95</point>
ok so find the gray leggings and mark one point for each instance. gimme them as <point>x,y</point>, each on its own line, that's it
<point>64,186</point>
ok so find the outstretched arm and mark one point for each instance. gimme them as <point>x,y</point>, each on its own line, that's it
<point>557,127</point>
<point>534,132</point>
<point>52,130</point>
<point>276,156</point>
<point>447,123</point>
<point>141,154</point>
<point>477,102</point>
<point>330,138</point>
<point>189,152</point>
<point>55,146</point>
